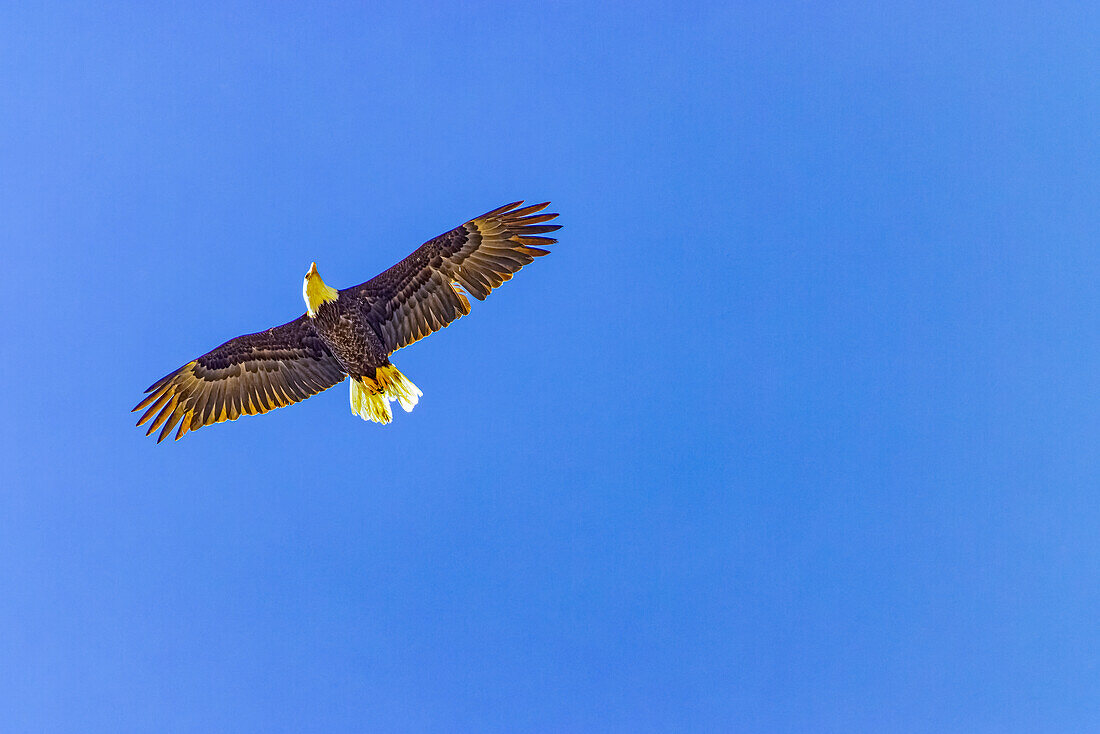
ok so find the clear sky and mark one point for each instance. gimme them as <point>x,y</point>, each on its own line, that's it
<point>796,430</point>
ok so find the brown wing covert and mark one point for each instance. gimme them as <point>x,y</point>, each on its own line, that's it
<point>424,292</point>
<point>249,375</point>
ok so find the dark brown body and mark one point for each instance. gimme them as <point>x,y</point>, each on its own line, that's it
<point>349,336</point>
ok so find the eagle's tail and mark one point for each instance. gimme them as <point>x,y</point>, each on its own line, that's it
<point>370,399</point>
<point>395,386</point>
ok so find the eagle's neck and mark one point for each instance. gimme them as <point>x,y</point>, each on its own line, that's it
<point>316,292</point>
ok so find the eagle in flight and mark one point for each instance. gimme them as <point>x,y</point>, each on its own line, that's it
<point>351,332</point>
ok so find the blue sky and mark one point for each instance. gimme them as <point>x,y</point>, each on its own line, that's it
<point>796,430</point>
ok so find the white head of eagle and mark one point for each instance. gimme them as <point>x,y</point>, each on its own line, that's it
<point>315,291</point>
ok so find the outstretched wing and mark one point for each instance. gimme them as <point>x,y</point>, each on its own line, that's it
<point>248,375</point>
<point>417,296</point>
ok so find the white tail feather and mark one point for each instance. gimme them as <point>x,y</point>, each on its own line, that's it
<point>368,404</point>
<point>370,399</point>
<point>395,386</point>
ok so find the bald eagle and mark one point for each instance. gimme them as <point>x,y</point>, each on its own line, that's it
<point>351,332</point>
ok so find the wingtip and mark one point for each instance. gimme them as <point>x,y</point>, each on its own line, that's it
<point>501,209</point>
<point>527,211</point>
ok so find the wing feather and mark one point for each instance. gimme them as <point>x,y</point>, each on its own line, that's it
<point>249,375</point>
<point>423,292</point>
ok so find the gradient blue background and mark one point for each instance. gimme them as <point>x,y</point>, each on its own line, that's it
<point>797,429</point>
